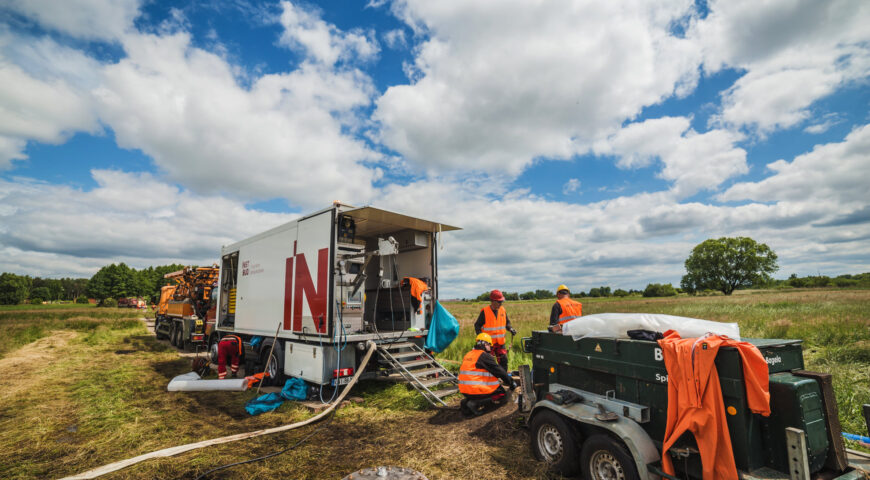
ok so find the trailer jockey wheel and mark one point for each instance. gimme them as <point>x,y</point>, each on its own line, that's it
<point>603,458</point>
<point>554,442</point>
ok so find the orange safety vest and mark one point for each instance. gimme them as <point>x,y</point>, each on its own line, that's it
<point>237,340</point>
<point>495,326</point>
<point>570,310</point>
<point>473,380</point>
<point>695,397</point>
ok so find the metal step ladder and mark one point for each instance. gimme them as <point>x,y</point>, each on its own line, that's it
<point>409,363</point>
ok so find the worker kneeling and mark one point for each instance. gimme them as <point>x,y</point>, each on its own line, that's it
<point>479,378</point>
<point>229,348</point>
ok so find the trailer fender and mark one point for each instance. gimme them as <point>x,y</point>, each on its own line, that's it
<point>639,443</point>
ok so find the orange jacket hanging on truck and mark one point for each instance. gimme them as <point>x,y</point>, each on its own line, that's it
<point>695,398</point>
<point>417,288</point>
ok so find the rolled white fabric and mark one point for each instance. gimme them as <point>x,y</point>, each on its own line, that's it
<point>615,325</point>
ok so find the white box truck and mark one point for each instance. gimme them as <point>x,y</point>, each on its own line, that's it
<point>327,283</point>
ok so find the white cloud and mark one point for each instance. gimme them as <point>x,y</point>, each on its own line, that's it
<point>283,137</point>
<point>794,52</point>
<point>692,161</point>
<point>834,172</point>
<point>395,39</point>
<point>571,186</point>
<point>129,217</point>
<point>498,84</point>
<point>89,19</point>
<point>49,100</point>
<point>323,42</point>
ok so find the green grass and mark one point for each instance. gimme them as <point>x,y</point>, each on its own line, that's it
<point>48,306</point>
<point>23,324</point>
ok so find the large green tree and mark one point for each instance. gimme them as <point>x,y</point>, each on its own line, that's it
<point>13,288</point>
<point>727,263</point>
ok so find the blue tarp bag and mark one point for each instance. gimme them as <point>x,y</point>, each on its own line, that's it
<point>256,341</point>
<point>264,403</point>
<point>295,389</point>
<point>443,329</point>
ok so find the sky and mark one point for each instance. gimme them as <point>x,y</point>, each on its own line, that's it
<point>579,142</point>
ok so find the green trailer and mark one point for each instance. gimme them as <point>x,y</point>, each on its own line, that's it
<point>598,407</point>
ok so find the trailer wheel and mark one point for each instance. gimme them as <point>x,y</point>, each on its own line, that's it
<point>554,442</point>
<point>603,458</point>
<point>275,367</point>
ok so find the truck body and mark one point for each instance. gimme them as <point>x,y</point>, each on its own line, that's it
<point>600,390</point>
<point>185,313</point>
<point>321,286</point>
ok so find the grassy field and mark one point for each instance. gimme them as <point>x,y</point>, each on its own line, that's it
<point>84,387</point>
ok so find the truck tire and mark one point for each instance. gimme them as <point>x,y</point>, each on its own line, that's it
<point>554,442</point>
<point>603,458</point>
<point>213,348</point>
<point>173,339</point>
<point>276,366</point>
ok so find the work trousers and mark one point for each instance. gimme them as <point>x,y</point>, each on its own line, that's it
<point>500,354</point>
<point>227,349</point>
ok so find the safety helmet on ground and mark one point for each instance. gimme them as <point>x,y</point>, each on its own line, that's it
<point>496,296</point>
<point>484,337</point>
<point>562,287</point>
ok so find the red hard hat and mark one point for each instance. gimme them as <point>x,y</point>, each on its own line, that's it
<point>496,296</point>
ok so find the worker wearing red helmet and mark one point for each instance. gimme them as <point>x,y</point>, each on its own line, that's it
<point>479,377</point>
<point>493,320</point>
<point>564,310</point>
<point>229,348</point>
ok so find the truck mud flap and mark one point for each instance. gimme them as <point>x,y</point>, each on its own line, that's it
<point>836,459</point>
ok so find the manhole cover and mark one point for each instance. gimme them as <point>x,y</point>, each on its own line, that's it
<point>386,473</point>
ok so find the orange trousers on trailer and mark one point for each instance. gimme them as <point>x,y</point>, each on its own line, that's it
<point>695,398</point>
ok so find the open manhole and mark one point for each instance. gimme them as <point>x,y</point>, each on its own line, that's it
<point>386,473</point>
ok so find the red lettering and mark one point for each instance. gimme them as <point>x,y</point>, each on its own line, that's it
<point>316,297</point>
<point>288,296</point>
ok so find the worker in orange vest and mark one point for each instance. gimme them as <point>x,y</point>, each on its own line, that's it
<point>564,310</point>
<point>479,378</point>
<point>494,321</point>
<point>229,348</point>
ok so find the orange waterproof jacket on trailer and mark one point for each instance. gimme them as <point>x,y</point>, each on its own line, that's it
<point>695,398</point>
<point>570,310</point>
<point>473,380</point>
<point>494,325</point>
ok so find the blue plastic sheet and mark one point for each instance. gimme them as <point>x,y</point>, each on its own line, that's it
<point>264,403</point>
<point>256,341</point>
<point>295,389</point>
<point>443,329</point>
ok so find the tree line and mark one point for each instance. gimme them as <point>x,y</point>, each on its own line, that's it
<point>113,281</point>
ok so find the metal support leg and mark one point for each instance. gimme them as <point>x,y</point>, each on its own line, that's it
<point>798,463</point>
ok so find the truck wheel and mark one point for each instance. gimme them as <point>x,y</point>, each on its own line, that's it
<point>603,458</point>
<point>173,340</point>
<point>213,348</point>
<point>276,366</point>
<point>554,442</point>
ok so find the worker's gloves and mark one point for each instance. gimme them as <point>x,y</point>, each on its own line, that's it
<point>513,385</point>
<point>513,331</point>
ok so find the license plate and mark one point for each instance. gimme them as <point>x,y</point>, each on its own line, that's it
<point>341,381</point>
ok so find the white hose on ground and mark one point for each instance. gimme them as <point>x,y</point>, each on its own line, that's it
<point>168,452</point>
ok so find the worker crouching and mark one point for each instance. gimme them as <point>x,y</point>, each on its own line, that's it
<point>479,378</point>
<point>229,348</point>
